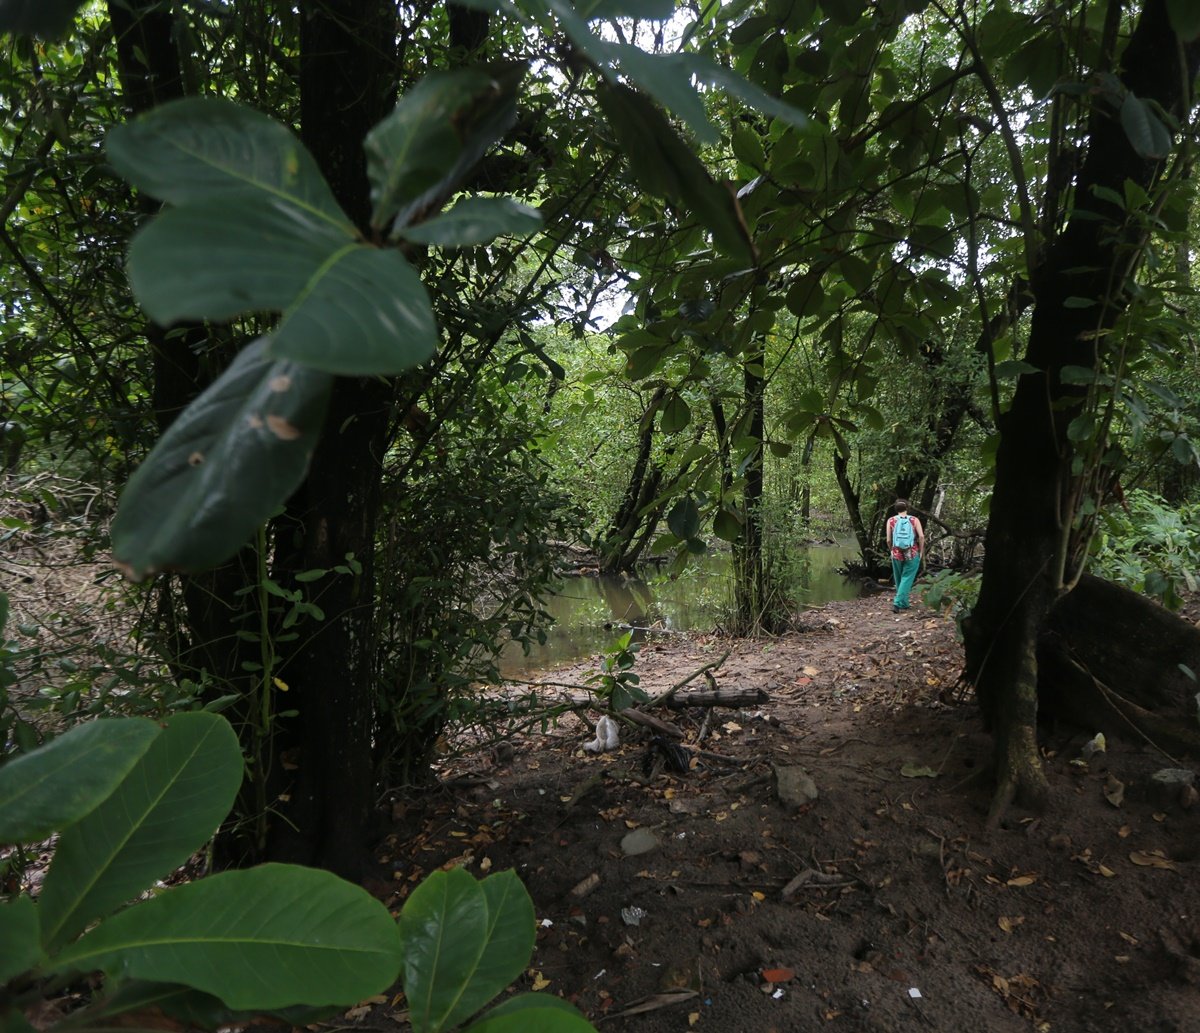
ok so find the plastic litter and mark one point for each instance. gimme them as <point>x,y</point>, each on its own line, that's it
<point>607,736</point>
<point>633,915</point>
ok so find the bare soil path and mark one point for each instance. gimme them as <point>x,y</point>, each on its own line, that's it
<point>884,904</point>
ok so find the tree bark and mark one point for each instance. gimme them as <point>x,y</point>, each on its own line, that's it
<point>749,568</point>
<point>1028,544</point>
<point>347,76</point>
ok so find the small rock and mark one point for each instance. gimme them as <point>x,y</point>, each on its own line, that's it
<point>639,841</point>
<point>1174,777</point>
<point>794,786</point>
<point>1172,785</point>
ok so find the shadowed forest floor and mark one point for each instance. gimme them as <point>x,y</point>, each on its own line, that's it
<point>882,905</point>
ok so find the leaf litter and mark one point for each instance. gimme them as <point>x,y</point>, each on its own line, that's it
<point>888,881</point>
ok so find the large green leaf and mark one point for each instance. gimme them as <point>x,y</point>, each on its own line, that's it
<point>20,944</point>
<point>269,937</point>
<point>438,131</point>
<point>511,930</point>
<point>166,808</point>
<point>37,17</point>
<point>255,228</point>
<point>1146,133</point>
<point>347,308</point>
<point>223,467</point>
<point>667,167</point>
<point>532,1013</point>
<point>475,220</point>
<point>137,1004</point>
<point>204,149</point>
<point>655,10</point>
<point>706,70</point>
<point>1185,18</point>
<point>56,785</point>
<point>463,942</point>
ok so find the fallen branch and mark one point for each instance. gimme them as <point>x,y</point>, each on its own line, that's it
<point>666,694</point>
<point>718,697</point>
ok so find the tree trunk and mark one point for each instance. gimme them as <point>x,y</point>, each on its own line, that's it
<point>346,81</point>
<point>627,520</point>
<point>1028,547</point>
<point>749,568</point>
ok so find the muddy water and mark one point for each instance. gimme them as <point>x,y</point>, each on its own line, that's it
<point>590,612</point>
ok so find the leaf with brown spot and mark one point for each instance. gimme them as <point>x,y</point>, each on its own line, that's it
<point>254,443</point>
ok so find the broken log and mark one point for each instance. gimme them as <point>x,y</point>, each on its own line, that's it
<point>1114,661</point>
<point>718,697</point>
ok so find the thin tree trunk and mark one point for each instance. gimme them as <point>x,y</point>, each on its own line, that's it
<point>346,77</point>
<point>749,569</point>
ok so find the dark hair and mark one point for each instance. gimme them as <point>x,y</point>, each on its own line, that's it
<point>900,505</point>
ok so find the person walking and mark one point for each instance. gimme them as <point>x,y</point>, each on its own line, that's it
<point>906,543</point>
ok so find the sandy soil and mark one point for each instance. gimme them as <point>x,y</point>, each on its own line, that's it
<point>884,904</point>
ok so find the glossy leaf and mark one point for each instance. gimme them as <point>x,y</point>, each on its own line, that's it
<point>20,942</point>
<point>706,70</point>
<point>684,519</point>
<point>532,1013</point>
<point>438,131</point>
<point>56,785</point>
<point>511,930</point>
<point>46,18</point>
<point>223,467</point>
<point>1146,134</point>
<point>347,308</point>
<point>462,944</point>
<point>137,1002</point>
<point>668,79</point>
<point>668,168</point>
<point>476,220</point>
<point>727,526</point>
<point>265,938</point>
<point>166,808</point>
<point>675,415</point>
<point>205,149</point>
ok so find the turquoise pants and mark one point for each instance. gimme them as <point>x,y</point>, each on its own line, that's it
<point>904,574</point>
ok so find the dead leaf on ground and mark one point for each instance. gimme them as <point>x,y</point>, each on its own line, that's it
<point>778,975</point>
<point>1153,859</point>
<point>654,1002</point>
<point>1114,790</point>
<point>1022,880</point>
<point>917,771</point>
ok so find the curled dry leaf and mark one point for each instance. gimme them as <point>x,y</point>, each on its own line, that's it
<point>1153,859</point>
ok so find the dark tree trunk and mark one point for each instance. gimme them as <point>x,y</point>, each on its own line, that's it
<point>749,568</point>
<point>347,78</point>
<point>627,520</point>
<point>1028,545</point>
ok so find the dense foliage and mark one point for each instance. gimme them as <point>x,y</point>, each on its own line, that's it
<point>425,293</point>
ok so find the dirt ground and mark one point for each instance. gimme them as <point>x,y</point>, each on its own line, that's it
<point>883,904</point>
